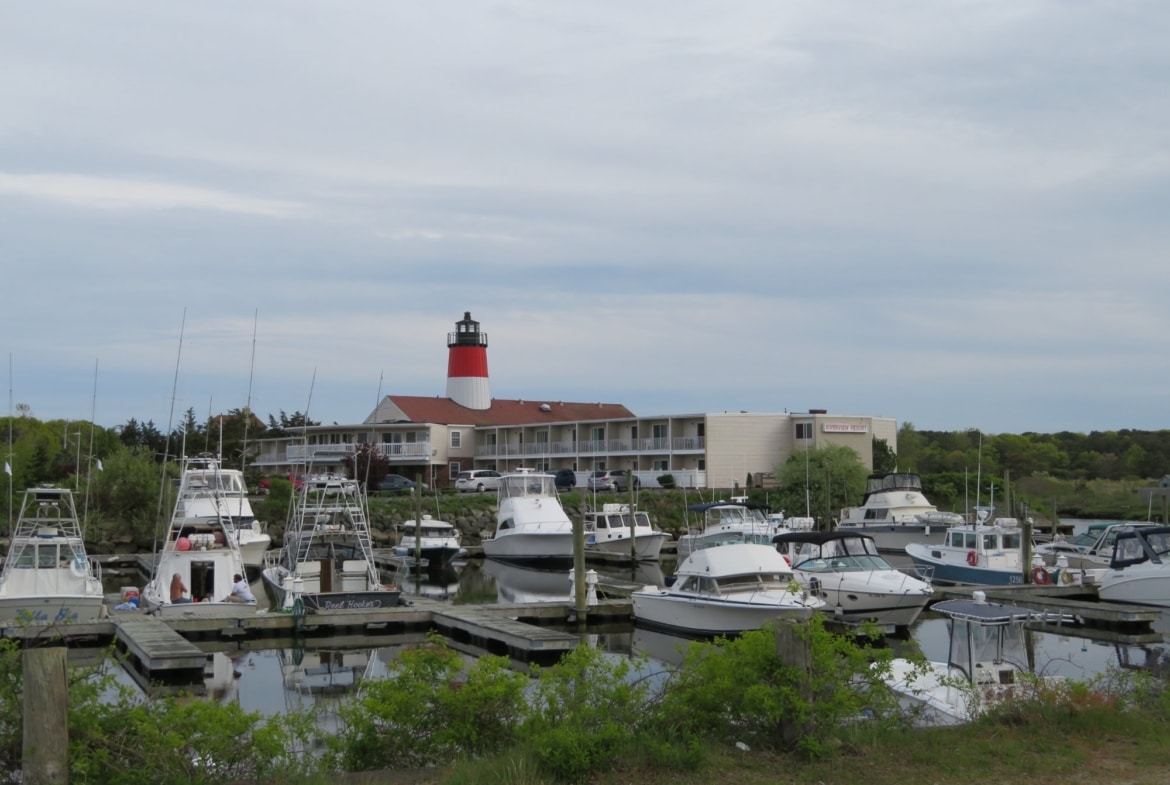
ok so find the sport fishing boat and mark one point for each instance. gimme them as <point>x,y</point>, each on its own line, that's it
<point>327,562</point>
<point>531,525</point>
<point>727,522</point>
<point>200,553</point>
<point>47,576</point>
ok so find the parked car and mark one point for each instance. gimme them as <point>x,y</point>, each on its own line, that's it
<point>565,479</point>
<point>600,480</point>
<point>478,480</point>
<point>621,480</point>
<point>396,483</point>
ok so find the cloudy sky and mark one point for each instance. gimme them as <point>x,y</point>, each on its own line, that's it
<point>948,212</point>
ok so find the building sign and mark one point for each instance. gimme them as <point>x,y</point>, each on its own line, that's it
<point>845,427</point>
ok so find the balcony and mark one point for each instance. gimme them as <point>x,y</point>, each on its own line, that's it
<point>600,447</point>
<point>412,452</point>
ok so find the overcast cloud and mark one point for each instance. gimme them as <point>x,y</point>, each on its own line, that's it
<point>951,213</point>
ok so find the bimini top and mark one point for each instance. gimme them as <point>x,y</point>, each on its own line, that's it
<point>818,538</point>
<point>985,612</point>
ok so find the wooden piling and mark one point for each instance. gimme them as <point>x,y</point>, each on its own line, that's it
<point>45,755</point>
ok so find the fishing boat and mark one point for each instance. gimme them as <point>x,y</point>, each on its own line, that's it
<point>855,581</point>
<point>212,492</point>
<point>896,513</point>
<point>327,562</point>
<point>725,590</point>
<point>199,565</point>
<point>608,531</point>
<point>531,525</point>
<point>987,552</point>
<point>986,656</point>
<point>48,577</point>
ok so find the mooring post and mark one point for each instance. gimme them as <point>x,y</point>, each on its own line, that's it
<point>580,608</point>
<point>45,755</point>
<point>794,650</point>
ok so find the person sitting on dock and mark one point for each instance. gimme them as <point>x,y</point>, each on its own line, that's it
<point>241,591</point>
<point>178,590</point>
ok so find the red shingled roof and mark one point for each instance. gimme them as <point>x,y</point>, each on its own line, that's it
<point>445,411</point>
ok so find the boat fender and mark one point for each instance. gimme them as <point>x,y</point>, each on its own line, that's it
<point>1066,577</point>
<point>972,558</point>
<point>1040,576</point>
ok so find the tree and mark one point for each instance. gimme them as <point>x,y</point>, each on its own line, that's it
<point>884,459</point>
<point>824,479</point>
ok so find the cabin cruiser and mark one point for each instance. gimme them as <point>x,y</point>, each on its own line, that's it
<point>979,553</point>
<point>895,513</point>
<point>855,581</point>
<point>725,590</point>
<point>436,542</point>
<point>725,522</point>
<point>1139,571</point>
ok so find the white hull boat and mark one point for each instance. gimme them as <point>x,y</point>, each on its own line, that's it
<point>1139,571</point>
<point>726,522</point>
<point>608,532</point>
<point>436,542</point>
<point>200,551</point>
<point>986,656</point>
<point>895,513</point>
<point>47,576</point>
<point>725,590</point>
<point>531,525</point>
<point>855,581</point>
<point>212,493</point>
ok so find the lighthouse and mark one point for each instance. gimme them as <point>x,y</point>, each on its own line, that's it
<point>467,373</point>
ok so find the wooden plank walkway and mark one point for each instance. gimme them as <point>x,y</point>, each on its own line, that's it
<point>154,644</point>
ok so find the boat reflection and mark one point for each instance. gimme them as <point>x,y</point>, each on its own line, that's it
<point>518,584</point>
<point>662,646</point>
<point>441,583</point>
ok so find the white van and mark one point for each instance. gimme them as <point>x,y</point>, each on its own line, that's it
<point>478,480</point>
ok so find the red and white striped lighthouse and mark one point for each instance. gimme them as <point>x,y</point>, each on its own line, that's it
<point>467,371</point>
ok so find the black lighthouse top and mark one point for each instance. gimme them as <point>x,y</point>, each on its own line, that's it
<point>466,333</point>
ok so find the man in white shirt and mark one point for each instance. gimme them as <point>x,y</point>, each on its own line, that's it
<point>241,591</point>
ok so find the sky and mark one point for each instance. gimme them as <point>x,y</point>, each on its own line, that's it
<point>948,212</point>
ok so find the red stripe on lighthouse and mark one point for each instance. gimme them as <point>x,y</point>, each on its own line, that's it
<point>465,361</point>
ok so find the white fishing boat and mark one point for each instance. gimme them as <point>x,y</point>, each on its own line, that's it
<point>199,565</point>
<point>608,531</point>
<point>531,525</point>
<point>985,659</point>
<point>48,578</point>
<point>211,492</point>
<point>327,562</point>
<point>727,522</point>
<point>1139,571</point>
<point>437,542</point>
<point>855,581</point>
<point>979,553</point>
<point>896,513</point>
<point>725,590</point>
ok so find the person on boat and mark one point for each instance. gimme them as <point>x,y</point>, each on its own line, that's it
<point>178,590</point>
<point>241,591</point>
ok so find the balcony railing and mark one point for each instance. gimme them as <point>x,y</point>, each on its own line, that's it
<point>595,447</point>
<point>410,451</point>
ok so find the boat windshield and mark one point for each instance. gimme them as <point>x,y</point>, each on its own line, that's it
<point>973,644</point>
<point>850,554</point>
<point>724,515</point>
<point>518,486</point>
<point>756,581</point>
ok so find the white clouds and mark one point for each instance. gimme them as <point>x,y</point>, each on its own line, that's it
<point>105,193</point>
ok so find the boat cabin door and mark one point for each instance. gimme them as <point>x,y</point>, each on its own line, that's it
<point>326,575</point>
<point>203,581</point>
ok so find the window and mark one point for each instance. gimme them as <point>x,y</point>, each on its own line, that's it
<point>597,434</point>
<point>661,466</point>
<point>456,439</point>
<point>453,470</point>
<point>804,430</point>
<point>633,432</point>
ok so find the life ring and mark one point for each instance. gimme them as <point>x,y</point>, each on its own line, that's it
<point>1040,576</point>
<point>972,558</point>
<point>78,566</point>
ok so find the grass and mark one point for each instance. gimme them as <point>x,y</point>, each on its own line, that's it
<point>1098,745</point>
